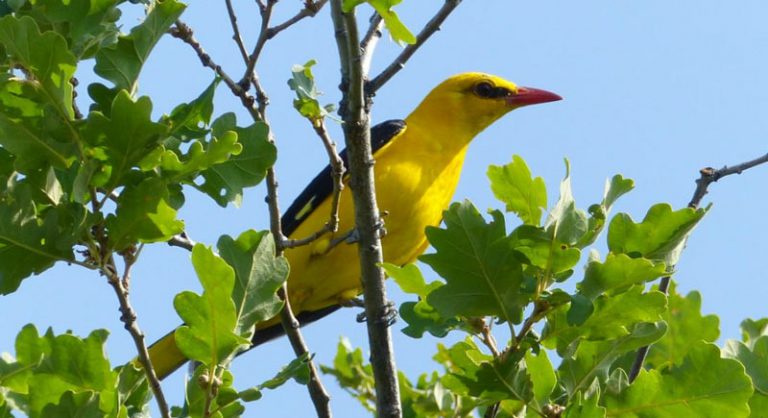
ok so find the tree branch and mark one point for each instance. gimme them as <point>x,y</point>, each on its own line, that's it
<point>310,10</point>
<point>429,29</point>
<point>337,174</point>
<point>367,218</point>
<point>370,40</point>
<point>182,31</point>
<point>236,30</point>
<point>708,175</point>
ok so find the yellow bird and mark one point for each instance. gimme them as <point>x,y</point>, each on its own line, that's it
<point>418,164</point>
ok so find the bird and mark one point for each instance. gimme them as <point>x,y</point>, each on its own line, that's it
<point>418,162</point>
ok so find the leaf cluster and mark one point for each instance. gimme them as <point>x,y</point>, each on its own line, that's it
<point>564,353</point>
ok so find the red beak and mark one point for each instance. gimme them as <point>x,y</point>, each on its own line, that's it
<point>527,96</point>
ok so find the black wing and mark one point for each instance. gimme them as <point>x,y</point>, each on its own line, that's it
<point>321,187</point>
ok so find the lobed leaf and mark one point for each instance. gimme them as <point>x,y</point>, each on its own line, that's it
<point>660,236</point>
<point>522,194</point>
<point>122,62</point>
<point>704,385</point>
<point>225,182</point>
<point>258,276</point>
<point>209,334</point>
<point>482,273</point>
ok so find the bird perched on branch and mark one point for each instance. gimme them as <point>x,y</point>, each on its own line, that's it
<point>418,164</point>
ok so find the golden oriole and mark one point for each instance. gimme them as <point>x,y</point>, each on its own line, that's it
<point>418,163</point>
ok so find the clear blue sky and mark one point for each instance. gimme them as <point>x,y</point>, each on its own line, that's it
<point>653,90</point>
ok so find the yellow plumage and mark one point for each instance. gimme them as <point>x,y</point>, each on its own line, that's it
<point>416,174</point>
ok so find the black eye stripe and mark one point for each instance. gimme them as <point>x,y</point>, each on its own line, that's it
<point>489,91</point>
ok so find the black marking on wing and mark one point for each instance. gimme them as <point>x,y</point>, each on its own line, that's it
<point>321,187</point>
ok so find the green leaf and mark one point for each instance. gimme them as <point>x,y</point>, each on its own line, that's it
<point>64,363</point>
<point>420,316</point>
<point>541,251</point>
<point>612,317</point>
<point>80,405</point>
<point>201,399</point>
<point>482,274</point>
<point>258,276</point>
<point>208,335</point>
<point>124,138</point>
<point>352,374</point>
<point>36,110</point>
<point>584,408</point>
<point>514,185</point>
<point>614,188</point>
<point>306,102</point>
<point>753,329</point>
<point>687,326</point>
<point>542,375</point>
<point>143,215</point>
<point>297,369</point>
<point>755,361</point>
<point>660,236</point>
<point>617,273</point>
<point>122,63</point>
<point>32,241</point>
<point>133,390</point>
<point>594,359</point>
<point>86,25</point>
<point>188,120</point>
<point>705,385</point>
<point>225,182</point>
<point>45,56</point>
<point>201,155</point>
<point>566,223</point>
<point>397,30</point>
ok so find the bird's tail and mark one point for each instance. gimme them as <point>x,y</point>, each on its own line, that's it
<point>167,358</point>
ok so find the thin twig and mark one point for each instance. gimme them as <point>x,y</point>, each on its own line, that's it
<point>310,10</point>
<point>708,175</point>
<point>429,29</point>
<point>182,240</point>
<point>105,260</point>
<point>489,340</point>
<point>367,218</point>
<point>236,30</point>
<point>337,175</point>
<point>370,40</point>
<point>183,32</point>
<point>253,57</point>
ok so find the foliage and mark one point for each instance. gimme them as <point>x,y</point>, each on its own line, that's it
<point>91,188</point>
<point>517,279</point>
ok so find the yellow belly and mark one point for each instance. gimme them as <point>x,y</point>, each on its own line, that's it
<point>409,197</point>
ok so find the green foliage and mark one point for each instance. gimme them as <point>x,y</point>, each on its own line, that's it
<point>524,195</point>
<point>492,275</point>
<point>121,63</point>
<point>209,335</point>
<point>306,101</point>
<point>397,29</point>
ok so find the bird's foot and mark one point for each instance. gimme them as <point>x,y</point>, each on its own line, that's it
<point>388,315</point>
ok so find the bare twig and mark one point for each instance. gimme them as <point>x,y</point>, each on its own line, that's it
<point>371,38</point>
<point>367,218</point>
<point>236,30</point>
<point>489,340</point>
<point>181,240</point>
<point>429,29</point>
<point>310,10</point>
<point>337,174</point>
<point>105,260</point>
<point>183,32</point>
<point>708,175</point>
<point>266,15</point>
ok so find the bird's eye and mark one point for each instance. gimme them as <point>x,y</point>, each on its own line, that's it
<point>485,90</point>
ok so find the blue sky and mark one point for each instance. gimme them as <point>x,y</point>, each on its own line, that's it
<point>653,90</point>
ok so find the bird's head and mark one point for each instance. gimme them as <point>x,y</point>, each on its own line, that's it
<point>470,102</point>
